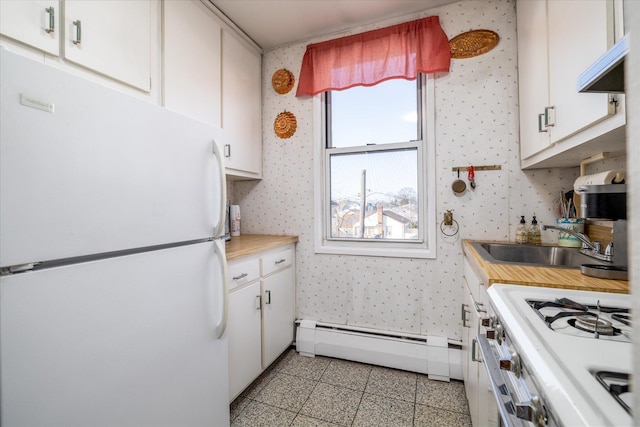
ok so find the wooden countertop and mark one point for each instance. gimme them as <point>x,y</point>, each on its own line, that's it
<point>248,244</point>
<point>564,278</point>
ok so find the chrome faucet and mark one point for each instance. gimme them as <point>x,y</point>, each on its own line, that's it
<point>589,248</point>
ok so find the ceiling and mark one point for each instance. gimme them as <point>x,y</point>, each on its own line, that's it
<point>272,23</point>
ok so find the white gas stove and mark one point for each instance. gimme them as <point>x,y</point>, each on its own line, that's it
<point>550,364</point>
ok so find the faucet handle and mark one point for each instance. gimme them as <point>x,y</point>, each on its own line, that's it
<point>609,249</point>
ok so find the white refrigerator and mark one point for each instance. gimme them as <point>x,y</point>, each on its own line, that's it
<point>113,297</point>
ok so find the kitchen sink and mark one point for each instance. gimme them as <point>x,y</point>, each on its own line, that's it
<point>533,255</point>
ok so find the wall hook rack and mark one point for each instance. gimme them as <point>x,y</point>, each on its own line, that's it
<point>477,168</point>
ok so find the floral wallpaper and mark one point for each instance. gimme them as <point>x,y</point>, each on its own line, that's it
<point>476,123</point>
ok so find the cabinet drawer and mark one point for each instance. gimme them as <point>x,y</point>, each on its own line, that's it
<point>243,271</point>
<point>277,260</point>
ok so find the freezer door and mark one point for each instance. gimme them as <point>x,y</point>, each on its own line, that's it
<point>85,169</point>
<point>128,341</point>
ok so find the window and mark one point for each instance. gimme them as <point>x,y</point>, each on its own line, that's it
<point>375,170</point>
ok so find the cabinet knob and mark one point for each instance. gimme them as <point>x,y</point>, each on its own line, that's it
<point>52,20</point>
<point>78,25</point>
<point>464,315</point>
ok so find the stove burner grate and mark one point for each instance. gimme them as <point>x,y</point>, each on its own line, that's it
<point>622,318</point>
<point>616,383</point>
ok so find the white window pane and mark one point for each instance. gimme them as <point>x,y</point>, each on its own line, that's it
<point>380,114</point>
<point>390,199</point>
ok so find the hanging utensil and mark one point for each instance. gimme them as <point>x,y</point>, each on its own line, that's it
<point>472,177</point>
<point>458,185</point>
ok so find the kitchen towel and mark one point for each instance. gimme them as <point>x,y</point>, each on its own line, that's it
<point>602,178</point>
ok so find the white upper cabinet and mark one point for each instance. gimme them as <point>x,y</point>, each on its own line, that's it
<point>110,37</point>
<point>192,60</point>
<point>241,107</point>
<point>34,23</point>
<point>558,41</point>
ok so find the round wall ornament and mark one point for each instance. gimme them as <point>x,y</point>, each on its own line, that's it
<point>282,81</point>
<point>285,124</point>
<point>473,43</point>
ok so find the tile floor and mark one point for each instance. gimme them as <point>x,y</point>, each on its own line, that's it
<point>302,391</point>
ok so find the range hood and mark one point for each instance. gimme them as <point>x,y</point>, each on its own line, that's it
<point>607,74</point>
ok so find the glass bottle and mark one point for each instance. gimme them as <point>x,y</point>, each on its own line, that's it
<point>522,235</point>
<point>535,232</point>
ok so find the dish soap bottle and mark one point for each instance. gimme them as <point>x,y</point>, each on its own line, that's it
<point>535,232</point>
<point>522,235</point>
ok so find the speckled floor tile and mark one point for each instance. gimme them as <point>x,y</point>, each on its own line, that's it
<point>427,416</point>
<point>392,383</point>
<point>286,391</point>
<point>283,359</point>
<point>381,411</point>
<point>332,403</point>
<point>258,414</point>
<point>347,374</point>
<point>256,386</point>
<point>441,394</point>
<point>237,406</point>
<point>305,421</point>
<point>305,367</point>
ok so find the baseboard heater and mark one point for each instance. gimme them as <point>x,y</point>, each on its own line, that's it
<point>438,357</point>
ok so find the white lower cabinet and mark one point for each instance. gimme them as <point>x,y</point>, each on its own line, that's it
<point>244,331</point>
<point>278,296</point>
<point>261,313</point>
<point>482,404</point>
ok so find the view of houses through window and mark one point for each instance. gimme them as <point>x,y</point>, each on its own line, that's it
<point>373,159</point>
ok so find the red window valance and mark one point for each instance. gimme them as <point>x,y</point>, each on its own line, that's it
<point>365,59</point>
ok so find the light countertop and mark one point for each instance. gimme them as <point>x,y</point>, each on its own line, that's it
<point>563,278</point>
<point>248,244</point>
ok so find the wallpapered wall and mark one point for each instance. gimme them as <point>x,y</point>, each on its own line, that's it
<point>477,123</point>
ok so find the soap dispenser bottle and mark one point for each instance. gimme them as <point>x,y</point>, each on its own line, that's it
<point>535,232</point>
<point>522,234</point>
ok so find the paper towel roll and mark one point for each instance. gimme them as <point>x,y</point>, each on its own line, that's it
<point>602,178</point>
<point>235,220</point>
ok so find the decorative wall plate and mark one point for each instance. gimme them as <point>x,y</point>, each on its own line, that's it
<point>285,124</point>
<point>473,43</point>
<point>282,81</point>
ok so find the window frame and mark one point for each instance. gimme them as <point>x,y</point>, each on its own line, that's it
<point>425,247</point>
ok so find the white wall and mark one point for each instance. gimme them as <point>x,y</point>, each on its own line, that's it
<point>477,123</point>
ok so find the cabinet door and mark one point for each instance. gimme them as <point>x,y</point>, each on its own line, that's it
<point>578,35</point>
<point>110,37</point>
<point>278,301</point>
<point>241,107</point>
<point>533,78</point>
<point>35,23</point>
<point>192,69</point>
<point>243,329</point>
<point>471,381</point>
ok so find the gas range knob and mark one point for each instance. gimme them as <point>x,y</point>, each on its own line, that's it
<point>496,333</point>
<point>532,411</point>
<point>489,322</point>
<point>511,363</point>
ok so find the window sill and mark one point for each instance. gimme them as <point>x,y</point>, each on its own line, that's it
<point>384,250</point>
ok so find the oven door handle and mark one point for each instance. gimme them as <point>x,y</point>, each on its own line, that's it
<point>505,404</point>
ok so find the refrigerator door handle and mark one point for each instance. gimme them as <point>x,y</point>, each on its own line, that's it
<point>219,230</point>
<point>220,328</point>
